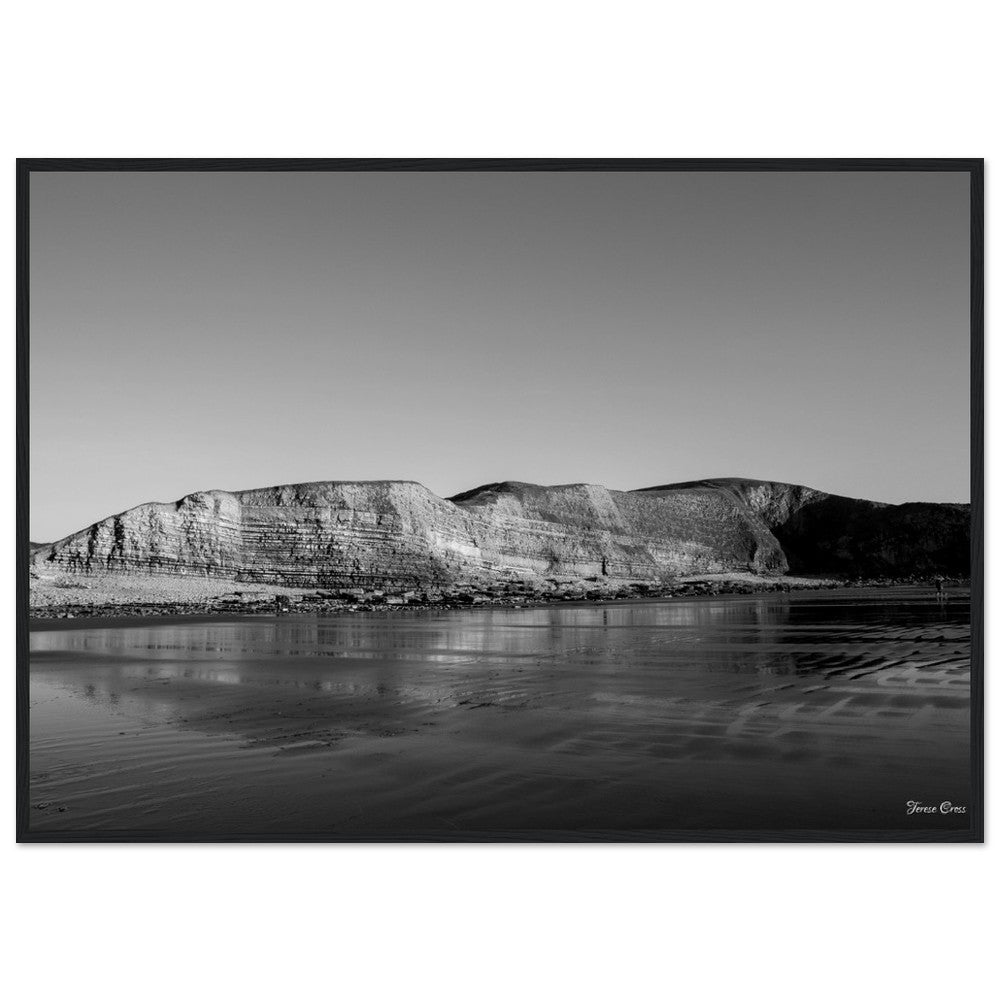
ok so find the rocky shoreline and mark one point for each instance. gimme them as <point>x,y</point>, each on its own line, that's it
<point>516,594</point>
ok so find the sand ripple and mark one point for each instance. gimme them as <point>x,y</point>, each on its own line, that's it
<point>787,712</point>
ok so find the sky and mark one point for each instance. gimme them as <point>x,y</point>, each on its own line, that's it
<point>193,331</point>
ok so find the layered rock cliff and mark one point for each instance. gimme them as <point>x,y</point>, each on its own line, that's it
<point>399,533</point>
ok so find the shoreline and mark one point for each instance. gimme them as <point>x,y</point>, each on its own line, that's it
<point>319,603</point>
<point>822,709</point>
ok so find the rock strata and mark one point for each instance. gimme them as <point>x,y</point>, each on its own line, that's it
<point>353,538</point>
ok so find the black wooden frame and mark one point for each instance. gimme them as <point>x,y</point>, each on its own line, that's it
<point>973,167</point>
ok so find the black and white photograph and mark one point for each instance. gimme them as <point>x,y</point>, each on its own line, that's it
<point>500,501</point>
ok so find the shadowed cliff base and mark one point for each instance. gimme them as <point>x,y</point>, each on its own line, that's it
<point>397,540</point>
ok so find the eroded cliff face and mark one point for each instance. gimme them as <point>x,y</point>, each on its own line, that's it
<point>313,534</point>
<point>587,530</point>
<point>351,534</point>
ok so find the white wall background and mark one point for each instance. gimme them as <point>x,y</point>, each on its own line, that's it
<point>517,79</point>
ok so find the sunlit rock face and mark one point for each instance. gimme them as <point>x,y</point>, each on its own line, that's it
<point>399,533</point>
<point>313,534</point>
<point>592,531</point>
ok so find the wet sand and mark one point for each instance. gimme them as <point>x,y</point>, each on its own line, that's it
<point>787,712</point>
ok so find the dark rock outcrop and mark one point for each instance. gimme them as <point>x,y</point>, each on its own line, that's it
<point>861,538</point>
<point>364,534</point>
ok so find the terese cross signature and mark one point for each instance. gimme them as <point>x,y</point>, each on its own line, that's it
<point>942,808</point>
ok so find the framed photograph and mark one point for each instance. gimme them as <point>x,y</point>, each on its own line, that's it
<point>500,500</point>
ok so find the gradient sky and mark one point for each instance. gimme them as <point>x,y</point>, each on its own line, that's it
<point>197,331</point>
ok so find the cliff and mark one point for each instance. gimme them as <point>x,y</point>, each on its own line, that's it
<point>390,533</point>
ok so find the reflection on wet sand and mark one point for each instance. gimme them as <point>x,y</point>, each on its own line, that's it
<point>791,711</point>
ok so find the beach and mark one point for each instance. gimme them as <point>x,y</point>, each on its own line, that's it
<point>646,719</point>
